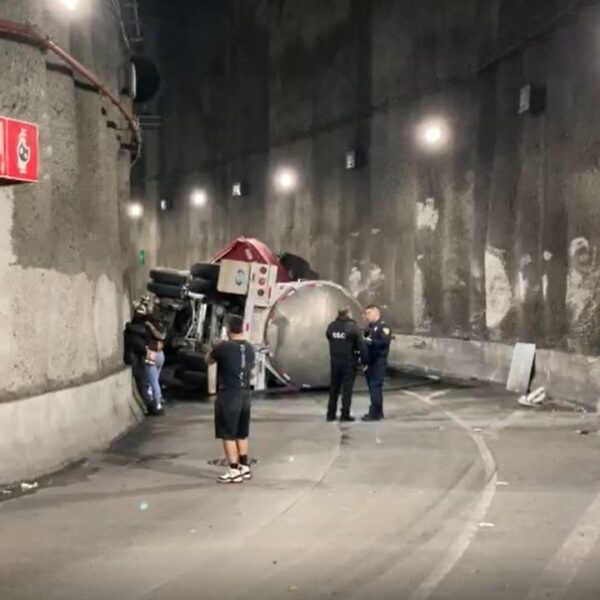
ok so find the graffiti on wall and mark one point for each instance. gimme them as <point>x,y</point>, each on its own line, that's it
<point>583,286</point>
<point>366,282</point>
<point>498,292</point>
<point>519,293</point>
<point>427,281</point>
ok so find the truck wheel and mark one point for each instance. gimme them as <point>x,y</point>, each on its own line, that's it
<point>170,276</point>
<point>191,360</point>
<point>193,379</point>
<point>165,290</point>
<point>206,271</point>
<point>202,286</point>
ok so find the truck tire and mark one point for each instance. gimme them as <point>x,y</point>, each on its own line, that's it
<point>208,271</point>
<point>193,379</point>
<point>165,290</point>
<point>296,266</point>
<point>191,360</point>
<point>170,276</point>
<point>202,286</point>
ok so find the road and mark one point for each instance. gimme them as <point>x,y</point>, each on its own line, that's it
<point>459,494</point>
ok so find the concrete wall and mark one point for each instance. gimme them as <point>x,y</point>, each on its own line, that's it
<point>63,300</point>
<point>494,239</point>
<point>567,376</point>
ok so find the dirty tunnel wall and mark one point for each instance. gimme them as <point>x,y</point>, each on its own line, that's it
<point>494,238</point>
<point>63,301</point>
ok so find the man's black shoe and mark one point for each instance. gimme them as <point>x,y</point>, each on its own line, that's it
<point>347,419</point>
<point>330,418</point>
<point>156,412</point>
<point>369,418</point>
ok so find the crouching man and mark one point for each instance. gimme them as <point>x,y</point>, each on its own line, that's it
<point>235,361</point>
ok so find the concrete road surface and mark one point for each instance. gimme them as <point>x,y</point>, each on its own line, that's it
<point>459,494</point>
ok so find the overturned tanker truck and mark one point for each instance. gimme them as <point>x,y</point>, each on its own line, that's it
<point>285,306</point>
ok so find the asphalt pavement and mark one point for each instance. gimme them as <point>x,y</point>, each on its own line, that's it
<point>460,494</point>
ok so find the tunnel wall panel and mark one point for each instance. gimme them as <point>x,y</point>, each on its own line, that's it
<point>63,271</point>
<point>494,238</point>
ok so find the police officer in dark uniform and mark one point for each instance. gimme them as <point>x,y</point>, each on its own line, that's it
<point>346,347</point>
<point>378,337</point>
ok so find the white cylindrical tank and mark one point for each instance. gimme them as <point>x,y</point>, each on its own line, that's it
<point>295,331</point>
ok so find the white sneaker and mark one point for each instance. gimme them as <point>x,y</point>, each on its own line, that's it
<point>246,471</point>
<point>232,476</point>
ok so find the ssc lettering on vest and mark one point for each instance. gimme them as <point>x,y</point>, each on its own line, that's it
<point>338,335</point>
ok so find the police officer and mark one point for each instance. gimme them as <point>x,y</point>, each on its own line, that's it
<point>378,337</point>
<point>346,346</point>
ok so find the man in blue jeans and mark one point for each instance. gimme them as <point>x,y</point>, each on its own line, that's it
<point>154,362</point>
<point>143,344</point>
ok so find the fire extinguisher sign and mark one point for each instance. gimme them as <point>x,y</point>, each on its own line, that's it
<point>19,151</point>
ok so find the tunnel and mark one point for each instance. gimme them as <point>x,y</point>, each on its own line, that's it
<point>176,171</point>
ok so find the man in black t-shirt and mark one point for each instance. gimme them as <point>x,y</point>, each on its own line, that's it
<point>235,361</point>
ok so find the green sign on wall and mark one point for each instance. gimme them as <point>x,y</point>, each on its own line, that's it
<point>141,256</point>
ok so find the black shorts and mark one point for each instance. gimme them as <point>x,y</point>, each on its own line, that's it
<point>232,415</point>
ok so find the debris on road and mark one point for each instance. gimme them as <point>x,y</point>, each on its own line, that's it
<point>293,588</point>
<point>144,506</point>
<point>485,525</point>
<point>534,399</point>
<point>583,431</point>
<point>501,483</point>
<point>27,487</point>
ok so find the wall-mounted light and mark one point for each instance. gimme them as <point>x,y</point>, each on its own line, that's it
<point>286,179</point>
<point>135,210</point>
<point>433,134</point>
<point>166,205</point>
<point>198,198</point>
<point>70,4</point>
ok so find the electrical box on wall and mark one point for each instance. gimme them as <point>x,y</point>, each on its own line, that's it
<point>532,100</point>
<point>166,205</point>
<point>353,160</point>
<point>238,189</point>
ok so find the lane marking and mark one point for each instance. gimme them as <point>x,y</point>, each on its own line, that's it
<point>478,508</point>
<point>557,577</point>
